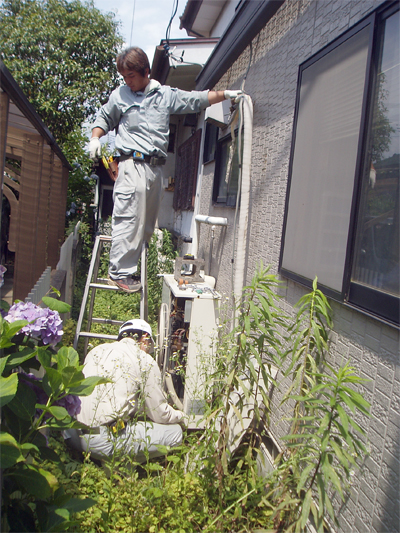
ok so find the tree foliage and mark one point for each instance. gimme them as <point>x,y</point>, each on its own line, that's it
<point>62,54</point>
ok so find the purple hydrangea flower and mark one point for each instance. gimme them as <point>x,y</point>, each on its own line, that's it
<point>71,403</point>
<point>2,270</point>
<point>45,324</point>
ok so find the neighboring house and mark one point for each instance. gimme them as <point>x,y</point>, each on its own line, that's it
<point>34,178</point>
<point>324,190</point>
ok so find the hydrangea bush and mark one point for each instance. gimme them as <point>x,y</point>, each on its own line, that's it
<point>43,323</point>
<point>31,408</point>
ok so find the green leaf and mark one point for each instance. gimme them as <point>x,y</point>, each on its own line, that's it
<point>331,474</point>
<point>9,330</point>
<point>56,305</point>
<point>305,509</point>
<point>44,356</point>
<point>71,377</point>
<point>10,452</point>
<point>8,388</point>
<point>3,362</point>
<point>67,357</point>
<point>23,403</point>
<point>54,379</point>
<point>87,386</point>
<point>304,476</point>
<point>17,358</point>
<point>32,480</point>
<point>343,418</point>
<point>59,413</point>
<point>77,505</point>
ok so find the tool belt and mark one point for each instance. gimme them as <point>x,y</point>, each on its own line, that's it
<point>114,428</point>
<point>144,158</point>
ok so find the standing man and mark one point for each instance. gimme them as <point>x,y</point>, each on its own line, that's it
<point>135,391</point>
<point>139,111</point>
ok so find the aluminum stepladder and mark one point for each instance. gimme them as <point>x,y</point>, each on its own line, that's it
<point>93,284</point>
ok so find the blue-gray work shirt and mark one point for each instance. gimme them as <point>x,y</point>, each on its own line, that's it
<point>141,119</point>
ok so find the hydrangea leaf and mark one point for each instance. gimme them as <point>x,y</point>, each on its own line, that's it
<point>32,481</point>
<point>67,356</point>
<point>23,403</point>
<point>8,388</point>
<point>56,305</point>
<point>17,358</point>
<point>87,385</point>
<point>9,450</point>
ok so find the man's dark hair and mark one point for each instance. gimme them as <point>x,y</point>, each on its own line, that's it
<point>133,59</point>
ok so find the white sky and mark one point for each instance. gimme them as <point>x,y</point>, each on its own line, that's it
<point>145,20</point>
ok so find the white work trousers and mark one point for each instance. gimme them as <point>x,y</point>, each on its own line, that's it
<point>137,440</point>
<point>137,197</point>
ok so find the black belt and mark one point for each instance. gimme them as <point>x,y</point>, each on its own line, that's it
<point>140,157</point>
<point>90,431</point>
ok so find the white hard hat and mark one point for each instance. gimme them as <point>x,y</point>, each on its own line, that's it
<point>135,325</point>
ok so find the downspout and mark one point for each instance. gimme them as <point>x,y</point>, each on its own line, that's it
<point>246,108</point>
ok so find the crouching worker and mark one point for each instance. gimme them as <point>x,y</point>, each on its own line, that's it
<point>130,415</point>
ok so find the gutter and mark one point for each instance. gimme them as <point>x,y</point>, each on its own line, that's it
<point>16,95</point>
<point>248,21</point>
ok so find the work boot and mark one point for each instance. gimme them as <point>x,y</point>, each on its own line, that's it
<point>128,284</point>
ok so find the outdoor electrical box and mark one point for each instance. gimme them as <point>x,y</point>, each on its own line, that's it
<point>188,330</point>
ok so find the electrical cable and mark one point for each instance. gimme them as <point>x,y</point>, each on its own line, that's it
<point>168,30</point>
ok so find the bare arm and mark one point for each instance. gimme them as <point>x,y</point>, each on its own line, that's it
<point>214,97</point>
<point>98,132</point>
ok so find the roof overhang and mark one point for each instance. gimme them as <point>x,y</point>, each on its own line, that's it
<point>199,16</point>
<point>23,115</point>
<point>184,61</point>
<point>250,17</point>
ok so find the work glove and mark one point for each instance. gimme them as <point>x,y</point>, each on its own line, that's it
<point>232,95</point>
<point>94,148</point>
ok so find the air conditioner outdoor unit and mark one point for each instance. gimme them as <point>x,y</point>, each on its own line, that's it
<point>187,336</point>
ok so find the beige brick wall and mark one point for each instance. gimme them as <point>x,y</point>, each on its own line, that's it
<point>297,31</point>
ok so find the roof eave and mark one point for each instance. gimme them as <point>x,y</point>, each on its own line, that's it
<point>10,86</point>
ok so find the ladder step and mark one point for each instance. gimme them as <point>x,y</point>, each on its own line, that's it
<point>94,282</point>
<point>97,335</point>
<point>108,321</point>
<point>101,286</point>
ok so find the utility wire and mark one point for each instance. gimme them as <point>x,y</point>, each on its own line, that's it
<point>133,18</point>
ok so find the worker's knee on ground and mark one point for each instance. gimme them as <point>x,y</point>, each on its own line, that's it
<point>173,435</point>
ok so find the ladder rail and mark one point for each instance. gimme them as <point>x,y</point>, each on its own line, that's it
<point>86,292</point>
<point>93,283</point>
<point>94,287</point>
<point>144,309</point>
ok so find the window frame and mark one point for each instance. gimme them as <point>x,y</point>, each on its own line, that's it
<point>225,139</point>
<point>210,142</point>
<point>383,306</point>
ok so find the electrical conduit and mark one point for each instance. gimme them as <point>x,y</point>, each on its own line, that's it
<point>238,282</point>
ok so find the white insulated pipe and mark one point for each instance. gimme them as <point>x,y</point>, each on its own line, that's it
<point>215,221</point>
<point>247,109</point>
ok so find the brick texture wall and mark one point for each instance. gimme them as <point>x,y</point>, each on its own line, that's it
<point>297,31</point>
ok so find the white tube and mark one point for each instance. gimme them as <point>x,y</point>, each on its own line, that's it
<point>244,197</point>
<point>215,221</point>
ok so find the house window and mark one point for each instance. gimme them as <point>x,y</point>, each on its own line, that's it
<point>226,177</point>
<point>186,173</point>
<point>210,142</point>
<point>342,207</point>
